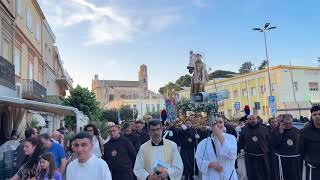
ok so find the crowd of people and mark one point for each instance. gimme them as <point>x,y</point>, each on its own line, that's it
<point>159,150</point>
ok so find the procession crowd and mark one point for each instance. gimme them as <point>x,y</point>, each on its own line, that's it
<point>156,150</point>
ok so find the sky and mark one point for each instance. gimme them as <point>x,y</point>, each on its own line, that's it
<point>112,38</point>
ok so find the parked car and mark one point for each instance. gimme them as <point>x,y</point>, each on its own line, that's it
<point>298,125</point>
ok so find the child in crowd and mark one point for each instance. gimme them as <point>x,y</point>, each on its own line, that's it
<point>49,170</point>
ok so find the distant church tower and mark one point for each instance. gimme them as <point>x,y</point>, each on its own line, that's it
<point>143,77</point>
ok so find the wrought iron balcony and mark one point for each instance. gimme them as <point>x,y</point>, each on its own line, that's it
<point>63,78</point>
<point>33,90</point>
<point>7,76</point>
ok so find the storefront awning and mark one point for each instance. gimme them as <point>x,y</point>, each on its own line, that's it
<point>41,106</point>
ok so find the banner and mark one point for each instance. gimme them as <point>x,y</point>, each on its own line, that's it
<point>171,109</point>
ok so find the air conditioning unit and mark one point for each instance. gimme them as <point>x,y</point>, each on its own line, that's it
<point>18,90</point>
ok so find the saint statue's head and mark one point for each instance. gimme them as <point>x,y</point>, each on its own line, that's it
<point>199,65</point>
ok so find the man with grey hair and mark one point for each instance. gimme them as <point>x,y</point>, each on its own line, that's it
<point>253,140</point>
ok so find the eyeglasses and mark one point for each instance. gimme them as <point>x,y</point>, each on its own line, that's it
<point>89,130</point>
<point>219,122</point>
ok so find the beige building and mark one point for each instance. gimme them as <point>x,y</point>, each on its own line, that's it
<point>28,50</point>
<point>108,91</point>
<point>7,77</point>
<point>113,94</point>
<point>30,68</point>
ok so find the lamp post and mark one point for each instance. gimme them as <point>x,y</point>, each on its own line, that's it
<point>264,29</point>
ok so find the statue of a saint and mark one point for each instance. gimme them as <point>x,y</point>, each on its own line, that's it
<point>200,75</point>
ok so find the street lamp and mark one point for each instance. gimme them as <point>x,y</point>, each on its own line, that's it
<point>264,29</point>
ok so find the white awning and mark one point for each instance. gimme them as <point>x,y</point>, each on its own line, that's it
<point>45,107</point>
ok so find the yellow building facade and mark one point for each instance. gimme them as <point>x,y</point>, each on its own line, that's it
<point>295,88</point>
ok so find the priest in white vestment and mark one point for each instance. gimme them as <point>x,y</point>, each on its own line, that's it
<point>217,161</point>
<point>158,158</point>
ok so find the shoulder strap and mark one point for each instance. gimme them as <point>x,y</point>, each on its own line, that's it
<point>214,147</point>
<point>100,145</point>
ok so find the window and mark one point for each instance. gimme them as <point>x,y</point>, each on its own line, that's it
<point>262,89</point>
<point>153,108</point>
<point>17,56</point>
<point>37,33</point>
<point>19,7</point>
<point>295,86</point>
<point>147,107</point>
<point>30,70</point>
<point>244,92</point>
<point>253,91</point>
<point>273,86</point>
<point>235,94</point>
<point>6,50</point>
<point>40,74</point>
<point>158,107</point>
<point>29,18</point>
<point>265,110</point>
<point>111,97</point>
<point>313,86</point>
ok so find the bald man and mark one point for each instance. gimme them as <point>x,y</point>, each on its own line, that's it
<point>57,137</point>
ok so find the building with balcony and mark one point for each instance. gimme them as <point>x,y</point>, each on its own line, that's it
<point>7,68</point>
<point>296,89</point>
<point>57,80</point>
<point>31,69</point>
<point>28,57</point>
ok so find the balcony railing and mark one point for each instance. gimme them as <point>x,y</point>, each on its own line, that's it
<point>62,75</point>
<point>7,76</point>
<point>33,90</point>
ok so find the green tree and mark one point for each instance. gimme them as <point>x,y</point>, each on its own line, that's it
<point>126,113</point>
<point>221,74</point>
<point>263,65</point>
<point>85,101</point>
<point>169,88</point>
<point>184,105</point>
<point>246,67</point>
<point>184,81</point>
<point>110,115</point>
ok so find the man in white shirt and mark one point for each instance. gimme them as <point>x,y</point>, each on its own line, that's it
<point>216,155</point>
<point>158,159</point>
<point>87,166</point>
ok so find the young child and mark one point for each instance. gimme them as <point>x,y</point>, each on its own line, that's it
<point>49,170</point>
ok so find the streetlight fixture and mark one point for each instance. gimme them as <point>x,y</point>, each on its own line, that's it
<point>264,29</point>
